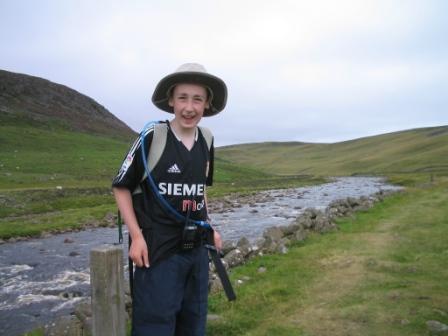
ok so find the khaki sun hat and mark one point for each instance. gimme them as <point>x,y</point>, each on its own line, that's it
<point>195,74</point>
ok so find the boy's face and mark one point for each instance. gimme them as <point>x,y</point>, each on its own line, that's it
<point>189,102</point>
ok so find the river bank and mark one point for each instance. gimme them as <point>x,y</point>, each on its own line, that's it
<point>44,278</point>
<point>383,272</point>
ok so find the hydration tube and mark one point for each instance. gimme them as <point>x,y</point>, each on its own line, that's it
<point>120,228</point>
<point>156,192</point>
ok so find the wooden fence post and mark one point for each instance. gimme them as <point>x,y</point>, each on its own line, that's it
<point>107,283</point>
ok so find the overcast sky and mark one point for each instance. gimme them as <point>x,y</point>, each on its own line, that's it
<point>314,71</point>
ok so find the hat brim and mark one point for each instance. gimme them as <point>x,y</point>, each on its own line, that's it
<point>216,85</point>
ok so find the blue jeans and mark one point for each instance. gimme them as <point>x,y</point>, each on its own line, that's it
<point>170,298</point>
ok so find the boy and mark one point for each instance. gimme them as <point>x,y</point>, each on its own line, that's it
<point>171,281</point>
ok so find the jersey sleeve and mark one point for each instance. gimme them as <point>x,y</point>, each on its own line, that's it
<point>132,169</point>
<point>209,181</point>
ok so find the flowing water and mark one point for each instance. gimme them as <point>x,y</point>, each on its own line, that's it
<point>41,279</point>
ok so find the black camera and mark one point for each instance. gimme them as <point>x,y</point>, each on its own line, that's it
<point>189,236</point>
<point>190,232</point>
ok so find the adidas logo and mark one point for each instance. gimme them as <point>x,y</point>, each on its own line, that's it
<point>174,169</point>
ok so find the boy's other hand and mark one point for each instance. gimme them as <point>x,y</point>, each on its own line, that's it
<point>139,252</point>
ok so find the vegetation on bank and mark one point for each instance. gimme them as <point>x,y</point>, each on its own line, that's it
<point>384,272</point>
<point>31,212</point>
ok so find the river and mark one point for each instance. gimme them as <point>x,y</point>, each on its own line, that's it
<point>43,278</point>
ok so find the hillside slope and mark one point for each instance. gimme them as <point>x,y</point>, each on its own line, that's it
<point>417,150</point>
<point>51,135</point>
<point>33,157</point>
<point>35,100</point>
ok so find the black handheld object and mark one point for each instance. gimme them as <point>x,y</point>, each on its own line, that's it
<point>189,233</point>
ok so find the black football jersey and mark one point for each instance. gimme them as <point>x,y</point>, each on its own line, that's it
<point>181,176</point>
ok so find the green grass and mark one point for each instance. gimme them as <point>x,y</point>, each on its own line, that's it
<point>385,272</point>
<point>422,150</point>
<point>37,201</point>
<point>263,299</point>
<point>58,221</point>
<point>37,332</point>
<point>39,158</point>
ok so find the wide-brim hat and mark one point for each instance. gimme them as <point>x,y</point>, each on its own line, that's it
<point>192,73</point>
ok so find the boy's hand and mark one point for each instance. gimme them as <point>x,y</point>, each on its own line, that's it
<point>139,252</point>
<point>218,240</point>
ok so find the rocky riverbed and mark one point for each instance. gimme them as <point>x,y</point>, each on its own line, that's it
<point>42,279</point>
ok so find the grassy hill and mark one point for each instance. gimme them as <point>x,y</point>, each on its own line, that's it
<point>39,101</point>
<point>42,157</point>
<point>412,151</point>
